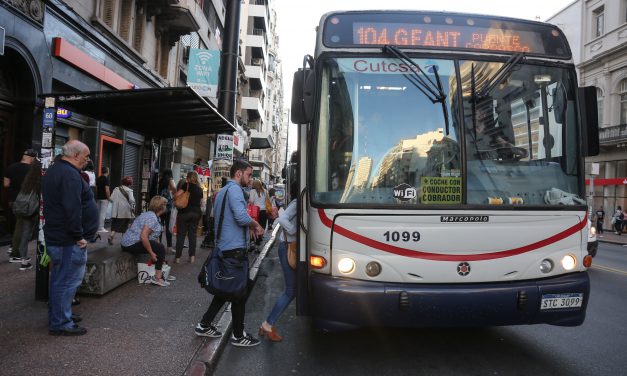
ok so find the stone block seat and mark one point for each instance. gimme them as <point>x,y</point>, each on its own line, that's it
<point>107,268</point>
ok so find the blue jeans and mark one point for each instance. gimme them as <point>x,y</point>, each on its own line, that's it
<point>66,274</point>
<point>289,275</point>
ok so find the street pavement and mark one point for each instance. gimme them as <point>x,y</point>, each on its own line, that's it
<point>132,330</point>
<point>611,237</point>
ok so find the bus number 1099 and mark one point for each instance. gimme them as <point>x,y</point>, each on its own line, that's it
<point>405,236</point>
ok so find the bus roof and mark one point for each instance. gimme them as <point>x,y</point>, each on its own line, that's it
<point>441,31</point>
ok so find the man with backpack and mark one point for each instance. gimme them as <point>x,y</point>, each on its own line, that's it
<point>232,236</point>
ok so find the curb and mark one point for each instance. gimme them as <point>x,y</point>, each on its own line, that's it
<point>611,242</point>
<point>204,360</point>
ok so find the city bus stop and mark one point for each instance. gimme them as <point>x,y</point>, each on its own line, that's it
<point>155,113</point>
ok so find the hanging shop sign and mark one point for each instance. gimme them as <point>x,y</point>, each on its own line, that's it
<point>203,71</point>
<point>224,147</point>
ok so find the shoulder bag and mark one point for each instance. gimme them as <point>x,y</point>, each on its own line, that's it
<point>225,273</point>
<point>268,206</point>
<point>182,199</point>
<point>125,194</point>
<point>25,204</point>
<point>291,252</point>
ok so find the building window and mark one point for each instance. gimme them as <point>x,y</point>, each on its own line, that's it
<point>598,17</point>
<point>108,12</point>
<point>600,106</point>
<point>623,101</point>
<point>126,19</point>
<point>138,34</point>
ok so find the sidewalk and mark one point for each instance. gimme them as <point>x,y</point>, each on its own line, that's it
<point>132,330</point>
<point>610,237</point>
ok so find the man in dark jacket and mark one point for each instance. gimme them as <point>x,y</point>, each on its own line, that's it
<point>71,221</point>
<point>13,179</point>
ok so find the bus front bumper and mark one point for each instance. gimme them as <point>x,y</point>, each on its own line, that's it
<point>342,303</point>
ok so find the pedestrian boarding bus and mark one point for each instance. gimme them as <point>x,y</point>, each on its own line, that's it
<point>441,172</point>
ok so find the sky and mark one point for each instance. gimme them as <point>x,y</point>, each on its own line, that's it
<point>297,21</point>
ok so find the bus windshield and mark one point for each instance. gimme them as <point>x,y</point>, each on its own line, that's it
<point>380,140</point>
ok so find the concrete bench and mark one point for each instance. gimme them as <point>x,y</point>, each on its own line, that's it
<point>107,268</point>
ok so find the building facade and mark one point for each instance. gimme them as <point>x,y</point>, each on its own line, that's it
<point>80,46</point>
<point>260,109</point>
<point>597,33</point>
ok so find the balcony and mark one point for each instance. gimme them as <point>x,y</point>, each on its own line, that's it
<point>613,134</point>
<point>256,75</point>
<point>259,13</point>
<point>257,43</point>
<point>179,17</point>
<point>261,140</point>
<point>254,107</point>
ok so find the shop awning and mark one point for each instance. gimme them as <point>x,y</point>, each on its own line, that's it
<point>157,112</point>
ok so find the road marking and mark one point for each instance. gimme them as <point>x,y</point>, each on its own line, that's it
<point>608,269</point>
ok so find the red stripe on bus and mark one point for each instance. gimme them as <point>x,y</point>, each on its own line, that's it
<point>450,257</point>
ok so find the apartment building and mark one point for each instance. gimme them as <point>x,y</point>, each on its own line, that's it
<point>78,46</point>
<point>597,33</point>
<point>260,93</point>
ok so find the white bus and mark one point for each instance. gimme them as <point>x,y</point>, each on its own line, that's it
<point>441,172</point>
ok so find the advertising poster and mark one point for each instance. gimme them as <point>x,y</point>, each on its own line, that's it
<point>224,147</point>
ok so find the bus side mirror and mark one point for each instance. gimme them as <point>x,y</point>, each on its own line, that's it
<point>302,96</point>
<point>589,120</point>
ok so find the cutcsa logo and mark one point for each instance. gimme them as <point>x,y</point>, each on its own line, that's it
<point>404,192</point>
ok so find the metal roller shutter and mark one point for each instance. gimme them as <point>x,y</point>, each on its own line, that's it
<point>131,167</point>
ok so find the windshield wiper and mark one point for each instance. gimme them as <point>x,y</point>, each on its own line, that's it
<point>499,75</point>
<point>432,90</point>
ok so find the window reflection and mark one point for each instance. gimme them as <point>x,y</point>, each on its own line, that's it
<point>379,131</point>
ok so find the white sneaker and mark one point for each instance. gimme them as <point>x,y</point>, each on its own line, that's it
<point>170,278</point>
<point>103,230</point>
<point>162,283</point>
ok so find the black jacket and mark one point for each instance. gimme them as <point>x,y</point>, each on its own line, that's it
<point>70,211</point>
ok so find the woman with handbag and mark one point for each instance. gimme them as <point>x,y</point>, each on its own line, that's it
<point>257,198</point>
<point>123,207</point>
<point>143,237</point>
<point>31,187</point>
<point>287,239</point>
<point>187,216</point>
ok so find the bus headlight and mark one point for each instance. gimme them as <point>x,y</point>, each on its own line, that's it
<point>346,265</point>
<point>546,266</point>
<point>569,262</point>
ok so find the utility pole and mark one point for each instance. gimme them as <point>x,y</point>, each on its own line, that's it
<point>228,61</point>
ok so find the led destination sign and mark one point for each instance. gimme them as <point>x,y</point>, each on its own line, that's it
<point>443,36</point>
<point>438,30</point>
